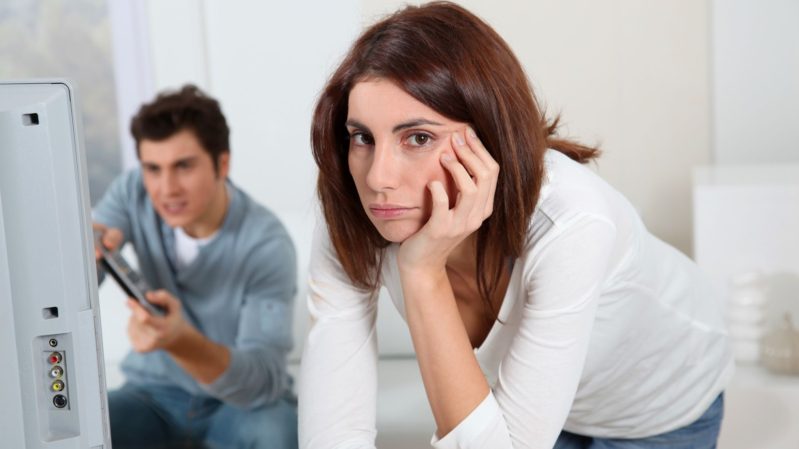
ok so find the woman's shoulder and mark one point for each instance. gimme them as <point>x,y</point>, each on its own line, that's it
<point>575,199</point>
<point>572,190</point>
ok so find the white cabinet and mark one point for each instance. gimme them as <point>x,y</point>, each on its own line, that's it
<point>747,219</point>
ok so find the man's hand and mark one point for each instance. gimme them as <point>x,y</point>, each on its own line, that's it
<point>149,332</point>
<point>111,238</point>
<point>200,357</point>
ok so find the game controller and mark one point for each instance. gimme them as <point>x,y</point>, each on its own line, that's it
<point>128,279</point>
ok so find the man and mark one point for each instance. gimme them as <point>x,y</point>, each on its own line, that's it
<point>211,372</point>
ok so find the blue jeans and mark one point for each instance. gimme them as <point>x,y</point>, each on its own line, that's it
<point>701,434</point>
<point>155,417</point>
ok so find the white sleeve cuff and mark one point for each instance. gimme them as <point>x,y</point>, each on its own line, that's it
<point>470,432</point>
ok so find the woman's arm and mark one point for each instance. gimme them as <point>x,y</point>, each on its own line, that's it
<point>338,374</point>
<point>539,374</point>
<point>454,383</point>
<point>453,380</point>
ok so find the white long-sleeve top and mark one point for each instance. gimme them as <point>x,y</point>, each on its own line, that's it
<point>604,331</point>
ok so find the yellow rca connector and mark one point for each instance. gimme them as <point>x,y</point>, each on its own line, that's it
<point>57,385</point>
<point>56,372</point>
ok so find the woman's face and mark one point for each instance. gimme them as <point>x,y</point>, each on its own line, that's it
<point>395,150</point>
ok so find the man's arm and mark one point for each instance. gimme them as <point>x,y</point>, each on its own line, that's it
<point>201,358</point>
<point>113,211</point>
<point>257,374</point>
<point>252,371</point>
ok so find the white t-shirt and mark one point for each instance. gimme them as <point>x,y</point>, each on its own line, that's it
<point>187,248</point>
<point>607,332</point>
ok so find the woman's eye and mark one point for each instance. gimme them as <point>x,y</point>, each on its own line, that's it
<point>419,140</point>
<point>361,139</point>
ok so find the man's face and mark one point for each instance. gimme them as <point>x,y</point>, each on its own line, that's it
<point>180,178</point>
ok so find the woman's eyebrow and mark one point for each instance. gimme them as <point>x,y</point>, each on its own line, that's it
<point>415,122</point>
<point>352,123</point>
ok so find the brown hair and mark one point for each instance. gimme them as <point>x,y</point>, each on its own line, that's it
<point>187,109</point>
<point>453,62</point>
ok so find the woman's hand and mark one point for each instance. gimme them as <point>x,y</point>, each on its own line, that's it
<point>439,335</point>
<point>475,174</point>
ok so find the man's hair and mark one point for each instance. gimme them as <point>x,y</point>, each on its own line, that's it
<point>448,59</point>
<point>187,109</point>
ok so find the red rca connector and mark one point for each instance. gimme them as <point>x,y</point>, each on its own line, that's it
<point>55,357</point>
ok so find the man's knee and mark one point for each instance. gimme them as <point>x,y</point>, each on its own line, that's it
<point>266,428</point>
<point>272,426</point>
<point>135,421</point>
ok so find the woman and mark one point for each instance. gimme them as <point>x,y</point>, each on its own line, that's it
<point>541,310</point>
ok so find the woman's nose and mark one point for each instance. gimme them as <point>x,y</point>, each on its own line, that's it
<point>383,172</point>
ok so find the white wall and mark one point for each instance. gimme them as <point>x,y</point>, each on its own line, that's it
<point>633,76</point>
<point>630,75</point>
<point>266,63</point>
<point>746,220</point>
<point>756,81</point>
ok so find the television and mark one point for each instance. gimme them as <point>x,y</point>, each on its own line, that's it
<point>52,380</point>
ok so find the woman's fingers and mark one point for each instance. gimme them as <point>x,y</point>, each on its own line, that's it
<point>474,173</point>
<point>466,155</point>
<point>440,203</point>
<point>467,189</point>
<point>484,170</point>
<point>491,167</point>
<point>479,149</point>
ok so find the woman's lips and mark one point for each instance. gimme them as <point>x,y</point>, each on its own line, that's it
<point>388,210</point>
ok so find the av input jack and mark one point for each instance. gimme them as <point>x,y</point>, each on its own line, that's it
<point>56,372</point>
<point>55,357</point>
<point>57,385</point>
<point>53,342</point>
<point>60,401</point>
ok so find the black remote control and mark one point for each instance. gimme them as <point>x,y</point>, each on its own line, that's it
<point>131,282</point>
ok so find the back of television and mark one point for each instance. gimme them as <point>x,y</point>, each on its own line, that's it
<point>52,382</point>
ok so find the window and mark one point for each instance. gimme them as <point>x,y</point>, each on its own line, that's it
<point>69,39</point>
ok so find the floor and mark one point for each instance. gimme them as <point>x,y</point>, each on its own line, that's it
<point>761,409</point>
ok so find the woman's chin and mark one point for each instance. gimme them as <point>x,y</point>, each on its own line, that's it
<point>396,232</point>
